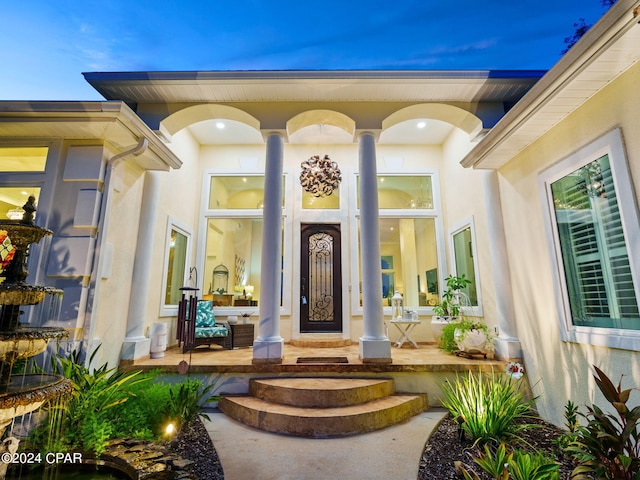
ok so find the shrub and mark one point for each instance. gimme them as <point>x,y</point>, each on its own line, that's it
<point>187,400</point>
<point>503,464</point>
<point>487,406</point>
<point>571,423</point>
<point>609,445</point>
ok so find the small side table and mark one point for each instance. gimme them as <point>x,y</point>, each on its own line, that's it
<point>242,335</point>
<point>405,328</point>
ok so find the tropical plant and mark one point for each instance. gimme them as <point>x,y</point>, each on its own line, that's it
<point>450,304</point>
<point>571,423</point>
<point>609,445</point>
<point>448,338</point>
<point>87,421</point>
<point>532,466</point>
<point>487,407</point>
<point>187,401</point>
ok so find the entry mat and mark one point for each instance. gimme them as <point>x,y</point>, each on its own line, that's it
<point>322,360</point>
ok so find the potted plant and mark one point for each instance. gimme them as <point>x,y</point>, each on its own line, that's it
<point>467,336</point>
<point>449,308</point>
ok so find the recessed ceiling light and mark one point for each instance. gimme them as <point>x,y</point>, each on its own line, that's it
<point>219,125</point>
<point>421,124</point>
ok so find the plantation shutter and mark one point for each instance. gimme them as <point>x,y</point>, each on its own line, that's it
<point>594,252</point>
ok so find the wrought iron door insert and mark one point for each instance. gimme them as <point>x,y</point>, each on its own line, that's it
<point>320,278</point>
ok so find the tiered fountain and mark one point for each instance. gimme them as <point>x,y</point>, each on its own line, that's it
<point>21,394</point>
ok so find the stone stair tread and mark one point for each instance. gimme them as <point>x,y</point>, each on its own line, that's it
<point>323,422</point>
<point>307,412</point>
<point>320,392</point>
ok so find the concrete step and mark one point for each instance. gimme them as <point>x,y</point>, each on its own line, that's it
<point>322,407</point>
<point>321,341</point>
<point>320,392</point>
<point>323,422</point>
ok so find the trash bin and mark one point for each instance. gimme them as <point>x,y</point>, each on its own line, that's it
<point>158,335</point>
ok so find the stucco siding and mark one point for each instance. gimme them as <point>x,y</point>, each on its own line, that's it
<point>559,370</point>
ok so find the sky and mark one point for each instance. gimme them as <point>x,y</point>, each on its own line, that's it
<point>45,45</point>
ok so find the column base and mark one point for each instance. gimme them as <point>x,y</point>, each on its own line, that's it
<point>268,351</point>
<point>135,348</point>
<point>375,351</point>
<point>507,348</point>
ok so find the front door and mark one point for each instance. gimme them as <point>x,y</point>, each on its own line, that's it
<point>320,278</point>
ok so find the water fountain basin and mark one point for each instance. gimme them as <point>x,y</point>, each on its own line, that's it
<point>27,342</point>
<point>26,393</point>
<point>22,294</point>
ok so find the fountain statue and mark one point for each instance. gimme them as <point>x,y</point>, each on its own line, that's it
<point>22,394</point>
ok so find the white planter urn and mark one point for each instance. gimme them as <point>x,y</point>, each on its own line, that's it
<point>471,341</point>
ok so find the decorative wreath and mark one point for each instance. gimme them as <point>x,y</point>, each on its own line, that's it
<point>320,176</point>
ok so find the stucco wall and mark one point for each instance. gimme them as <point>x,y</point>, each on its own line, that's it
<point>557,370</point>
<point>115,285</point>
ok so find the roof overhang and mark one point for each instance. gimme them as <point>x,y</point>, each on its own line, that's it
<point>315,86</point>
<point>113,123</point>
<point>608,49</point>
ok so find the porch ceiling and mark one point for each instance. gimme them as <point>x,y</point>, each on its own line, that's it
<point>314,86</point>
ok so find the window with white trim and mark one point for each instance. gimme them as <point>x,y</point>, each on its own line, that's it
<point>463,247</point>
<point>408,238</point>
<point>592,219</point>
<point>177,254</point>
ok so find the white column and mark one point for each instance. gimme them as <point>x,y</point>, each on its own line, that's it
<point>269,345</point>
<point>507,344</point>
<point>374,344</point>
<point>135,345</point>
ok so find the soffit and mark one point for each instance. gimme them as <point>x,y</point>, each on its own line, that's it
<point>110,122</point>
<point>313,86</point>
<point>605,52</point>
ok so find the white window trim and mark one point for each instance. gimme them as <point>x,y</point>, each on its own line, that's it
<point>435,213</point>
<point>173,224</point>
<point>475,310</point>
<point>206,214</point>
<point>610,144</point>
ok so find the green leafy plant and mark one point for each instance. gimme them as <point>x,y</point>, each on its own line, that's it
<point>505,464</point>
<point>609,445</point>
<point>532,466</point>
<point>495,463</point>
<point>571,423</point>
<point>187,401</point>
<point>87,422</point>
<point>450,304</point>
<point>448,338</point>
<point>487,406</point>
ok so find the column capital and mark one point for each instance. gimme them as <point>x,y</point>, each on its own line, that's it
<point>278,132</point>
<point>369,131</point>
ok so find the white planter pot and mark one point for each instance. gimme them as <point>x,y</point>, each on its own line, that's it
<point>472,341</point>
<point>438,323</point>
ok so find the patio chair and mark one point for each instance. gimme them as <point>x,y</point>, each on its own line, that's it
<point>197,325</point>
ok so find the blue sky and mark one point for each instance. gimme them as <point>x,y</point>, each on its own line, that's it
<point>45,45</point>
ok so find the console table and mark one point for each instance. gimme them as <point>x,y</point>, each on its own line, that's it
<point>242,335</point>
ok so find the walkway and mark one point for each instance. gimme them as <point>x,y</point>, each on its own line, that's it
<point>390,454</point>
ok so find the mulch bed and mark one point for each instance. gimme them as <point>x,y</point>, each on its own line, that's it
<point>443,448</point>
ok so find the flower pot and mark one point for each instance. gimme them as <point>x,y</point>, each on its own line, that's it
<point>471,341</point>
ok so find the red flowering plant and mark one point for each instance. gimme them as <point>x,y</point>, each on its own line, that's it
<point>7,250</point>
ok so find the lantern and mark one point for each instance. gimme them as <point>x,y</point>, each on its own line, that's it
<point>397,308</point>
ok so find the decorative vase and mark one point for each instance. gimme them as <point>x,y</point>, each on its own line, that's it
<point>471,341</point>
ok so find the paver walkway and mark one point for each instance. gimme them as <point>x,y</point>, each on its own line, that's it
<point>389,454</point>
